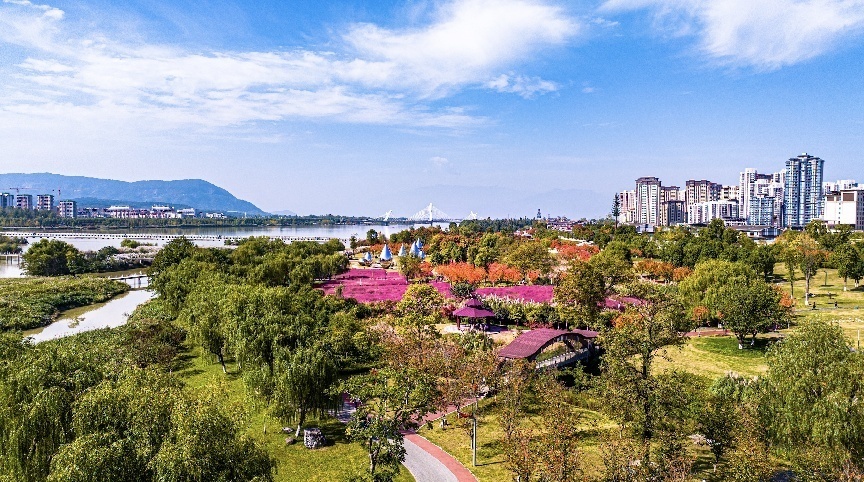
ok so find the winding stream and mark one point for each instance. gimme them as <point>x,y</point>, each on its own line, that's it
<point>113,313</point>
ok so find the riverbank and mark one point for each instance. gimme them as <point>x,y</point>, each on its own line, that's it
<point>33,302</point>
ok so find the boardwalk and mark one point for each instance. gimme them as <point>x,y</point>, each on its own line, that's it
<point>165,237</point>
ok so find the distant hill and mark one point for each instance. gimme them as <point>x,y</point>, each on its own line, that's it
<point>94,192</point>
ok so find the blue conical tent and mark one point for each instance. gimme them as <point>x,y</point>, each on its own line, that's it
<point>368,256</point>
<point>386,255</point>
<point>402,250</point>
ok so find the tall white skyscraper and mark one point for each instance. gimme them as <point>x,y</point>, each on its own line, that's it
<point>648,192</point>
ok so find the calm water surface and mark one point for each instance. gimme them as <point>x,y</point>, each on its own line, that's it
<point>110,314</point>
<point>331,231</point>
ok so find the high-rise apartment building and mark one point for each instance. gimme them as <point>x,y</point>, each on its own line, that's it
<point>701,191</point>
<point>45,202</point>
<point>648,201</point>
<point>24,201</point>
<point>803,190</point>
<point>673,212</point>
<point>628,207</point>
<point>7,200</point>
<point>705,212</point>
<point>761,211</point>
<point>670,193</point>
<point>730,193</point>
<point>67,209</point>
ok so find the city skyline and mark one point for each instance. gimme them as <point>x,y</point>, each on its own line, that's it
<point>494,107</point>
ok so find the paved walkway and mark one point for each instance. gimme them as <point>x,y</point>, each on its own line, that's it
<point>426,461</point>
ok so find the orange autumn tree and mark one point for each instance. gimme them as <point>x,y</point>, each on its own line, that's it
<point>462,273</point>
<point>571,252</point>
<point>498,272</point>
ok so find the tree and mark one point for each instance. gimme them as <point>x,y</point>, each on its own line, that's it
<point>171,254</point>
<point>645,402</point>
<point>50,258</point>
<point>790,255</point>
<point>811,400</point>
<point>372,237</point>
<point>810,257</point>
<point>699,290</point>
<point>847,260</point>
<point>531,256</point>
<point>392,400</point>
<point>304,378</point>
<point>616,209</point>
<point>419,310</point>
<point>580,293</point>
<point>409,266</point>
<point>762,259</point>
<point>747,307</point>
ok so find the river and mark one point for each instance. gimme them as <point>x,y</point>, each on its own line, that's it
<point>340,231</point>
<point>115,312</point>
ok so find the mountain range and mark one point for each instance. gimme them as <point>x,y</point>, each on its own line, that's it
<point>95,192</point>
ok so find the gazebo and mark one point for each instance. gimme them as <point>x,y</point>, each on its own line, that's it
<point>473,310</point>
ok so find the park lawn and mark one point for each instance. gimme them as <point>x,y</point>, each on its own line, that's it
<point>823,292</point>
<point>491,463</point>
<point>339,461</point>
<point>716,356</point>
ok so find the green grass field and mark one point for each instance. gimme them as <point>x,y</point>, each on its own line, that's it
<point>339,461</point>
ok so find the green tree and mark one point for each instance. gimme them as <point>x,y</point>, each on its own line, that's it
<point>372,236</point>
<point>419,311</point>
<point>747,307</point>
<point>647,403</point>
<point>304,379</point>
<point>171,254</point>
<point>810,257</point>
<point>847,260</point>
<point>50,258</point>
<point>763,258</point>
<point>579,295</point>
<point>531,256</point>
<point>811,401</point>
<point>393,399</point>
<point>409,266</point>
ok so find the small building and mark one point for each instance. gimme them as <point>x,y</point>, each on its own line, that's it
<point>67,209</point>
<point>24,201</point>
<point>845,207</point>
<point>45,202</point>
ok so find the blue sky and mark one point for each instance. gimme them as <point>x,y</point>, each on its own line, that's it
<point>494,106</point>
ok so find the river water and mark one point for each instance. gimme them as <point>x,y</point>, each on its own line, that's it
<point>341,231</point>
<point>113,313</point>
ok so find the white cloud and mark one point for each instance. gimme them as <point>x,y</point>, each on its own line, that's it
<point>527,87</point>
<point>766,34</point>
<point>439,161</point>
<point>379,76</point>
<point>468,42</point>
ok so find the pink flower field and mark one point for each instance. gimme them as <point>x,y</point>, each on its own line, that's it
<point>371,285</point>
<point>538,293</point>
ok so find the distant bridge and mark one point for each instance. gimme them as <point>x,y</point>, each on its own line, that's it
<point>529,345</point>
<point>431,214</point>
<point>167,237</point>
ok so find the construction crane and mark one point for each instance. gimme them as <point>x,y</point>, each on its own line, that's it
<point>17,189</point>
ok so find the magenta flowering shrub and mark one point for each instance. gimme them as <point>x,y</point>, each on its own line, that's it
<point>372,285</point>
<point>535,293</point>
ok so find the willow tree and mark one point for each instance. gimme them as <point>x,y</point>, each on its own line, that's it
<point>304,378</point>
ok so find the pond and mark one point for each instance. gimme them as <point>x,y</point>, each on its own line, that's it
<point>110,314</point>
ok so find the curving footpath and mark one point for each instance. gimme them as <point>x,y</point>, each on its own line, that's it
<point>426,461</point>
